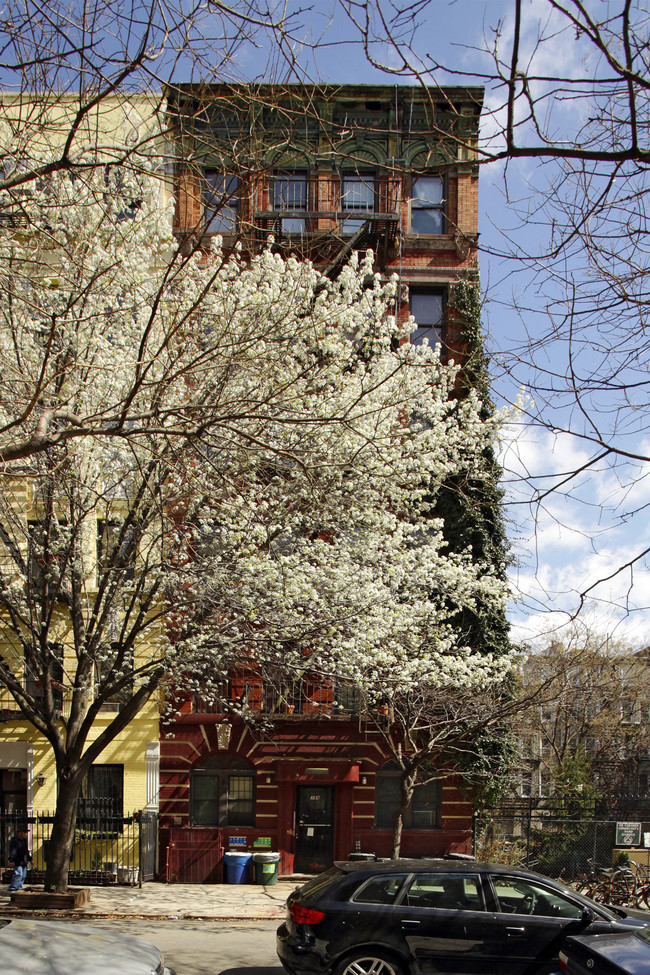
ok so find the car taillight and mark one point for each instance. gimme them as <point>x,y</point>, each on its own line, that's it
<point>305,915</point>
<point>564,962</point>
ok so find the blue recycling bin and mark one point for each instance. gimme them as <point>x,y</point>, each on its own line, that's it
<point>237,867</point>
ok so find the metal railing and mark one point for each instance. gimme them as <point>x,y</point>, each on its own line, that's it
<point>106,850</point>
<point>62,699</point>
<point>306,698</point>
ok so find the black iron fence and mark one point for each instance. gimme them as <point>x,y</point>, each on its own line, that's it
<point>553,842</point>
<point>106,850</point>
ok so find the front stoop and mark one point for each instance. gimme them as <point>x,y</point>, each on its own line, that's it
<point>38,900</point>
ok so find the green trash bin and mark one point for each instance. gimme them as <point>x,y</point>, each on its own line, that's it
<point>266,868</point>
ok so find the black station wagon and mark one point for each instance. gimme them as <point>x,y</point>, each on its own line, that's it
<point>435,916</point>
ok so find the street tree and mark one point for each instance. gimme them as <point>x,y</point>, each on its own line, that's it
<point>592,713</point>
<point>295,516</point>
<point>438,733</point>
<point>433,731</point>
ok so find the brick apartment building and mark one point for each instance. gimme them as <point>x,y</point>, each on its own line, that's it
<point>325,171</point>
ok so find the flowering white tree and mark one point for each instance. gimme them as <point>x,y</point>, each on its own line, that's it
<point>292,518</point>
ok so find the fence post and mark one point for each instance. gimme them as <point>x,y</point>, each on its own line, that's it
<point>140,850</point>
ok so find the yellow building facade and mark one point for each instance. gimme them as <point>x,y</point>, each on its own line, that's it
<point>124,778</point>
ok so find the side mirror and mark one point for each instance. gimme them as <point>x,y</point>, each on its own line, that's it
<point>587,916</point>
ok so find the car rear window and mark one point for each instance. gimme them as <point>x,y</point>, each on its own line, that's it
<point>320,883</point>
<point>644,934</point>
<point>379,890</point>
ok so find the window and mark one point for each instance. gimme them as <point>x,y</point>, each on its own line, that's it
<point>115,548</point>
<point>427,308</point>
<point>109,671</point>
<point>49,550</point>
<point>34,681</point>
<point>247,691</point>
<point>222,792</point>
<point>445,892</point>
<point>630,712</point>
<point>423,811</point>
<point>102,794</point>
<point>380,890</point>
<point>428,205</point>
<point>290,196</point>
<point>517,895</point>
<point>358,196</point>
<point>220,202</point>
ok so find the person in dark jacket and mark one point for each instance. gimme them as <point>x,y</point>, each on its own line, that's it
<point>20,856</point>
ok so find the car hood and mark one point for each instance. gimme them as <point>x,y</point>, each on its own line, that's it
<point>52,948</point>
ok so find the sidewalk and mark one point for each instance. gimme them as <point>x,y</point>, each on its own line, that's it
<point>174,901</point>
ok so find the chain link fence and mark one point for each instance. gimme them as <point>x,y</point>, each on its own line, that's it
<point>549,841</point>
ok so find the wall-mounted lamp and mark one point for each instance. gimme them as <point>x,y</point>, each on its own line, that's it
<point>268,779</point>
<point>364,780</point>
<point>40,779</point>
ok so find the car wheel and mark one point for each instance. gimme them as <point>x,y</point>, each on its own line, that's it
<point>369,963</point>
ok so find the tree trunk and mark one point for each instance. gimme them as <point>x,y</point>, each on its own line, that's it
<point>62,835</point>
<point>398,825</point>
<point>407,785</point>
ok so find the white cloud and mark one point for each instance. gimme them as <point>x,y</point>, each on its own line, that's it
<point>573,542</point>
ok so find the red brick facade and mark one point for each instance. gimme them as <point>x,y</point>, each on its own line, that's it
<point>333,754</point>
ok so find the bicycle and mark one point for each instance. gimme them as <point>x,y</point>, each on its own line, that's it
<point>642,885</point>
<point>609,885</point>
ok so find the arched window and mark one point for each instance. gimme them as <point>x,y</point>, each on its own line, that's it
<point>423,811</point>
<point>222,792</point>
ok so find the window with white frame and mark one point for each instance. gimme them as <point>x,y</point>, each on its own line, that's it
<point>220,202</point>
<point>358,199</point>
<point>427,308</point>
<point>428,205</point>
<point>291,197</point>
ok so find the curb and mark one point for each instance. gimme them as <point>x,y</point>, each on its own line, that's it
<point>105,916</point>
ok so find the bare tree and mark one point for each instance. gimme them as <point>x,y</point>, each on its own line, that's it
<point>566,121</point>
<point>592,707</point>
<point>437,734</point>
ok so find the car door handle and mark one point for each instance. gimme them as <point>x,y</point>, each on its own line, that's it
<point>410,924</point>
<point>515,932</point>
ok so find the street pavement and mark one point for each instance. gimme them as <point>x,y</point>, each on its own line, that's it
<point>234,902</point>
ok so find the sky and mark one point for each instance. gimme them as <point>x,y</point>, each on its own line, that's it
<point>579,535</point>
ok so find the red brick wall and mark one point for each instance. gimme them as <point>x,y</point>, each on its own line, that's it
<point>351,753</point>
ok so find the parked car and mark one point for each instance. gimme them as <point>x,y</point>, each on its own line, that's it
<point>444,916</point>
<point>59,948</point>
<point>606,954</point>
